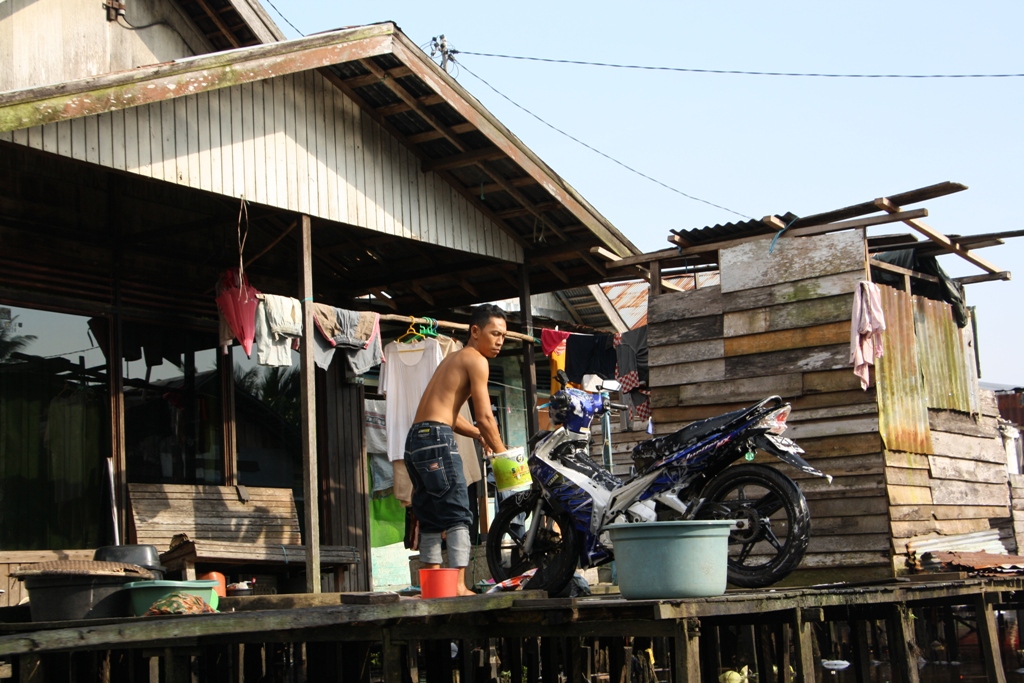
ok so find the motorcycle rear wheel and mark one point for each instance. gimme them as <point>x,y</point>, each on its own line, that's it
<point>777,521</point>
<point>555,550</point>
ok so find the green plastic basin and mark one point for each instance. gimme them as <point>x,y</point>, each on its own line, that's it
<point>145,593</point>
<point>661,560</point>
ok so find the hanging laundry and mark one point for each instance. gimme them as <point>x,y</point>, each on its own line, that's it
<point>403,379</point>
<point>589,354</point>
<point>866,327</point>
<point>550,340</point>
<point>375,434</point>
<point>278,324</point>
<point>236,303</point>
<point>633,372</point>
<point>371,354</point>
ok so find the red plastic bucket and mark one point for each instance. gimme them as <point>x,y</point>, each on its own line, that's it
<point>439,583</point>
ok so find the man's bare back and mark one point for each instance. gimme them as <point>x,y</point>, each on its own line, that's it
<point>463,376</point>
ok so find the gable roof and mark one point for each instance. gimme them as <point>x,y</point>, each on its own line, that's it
<point>393,82</point>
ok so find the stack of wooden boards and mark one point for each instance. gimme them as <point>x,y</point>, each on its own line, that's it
<point>223,525</point>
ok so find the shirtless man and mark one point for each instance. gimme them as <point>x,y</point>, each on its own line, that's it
<point>440,499</point>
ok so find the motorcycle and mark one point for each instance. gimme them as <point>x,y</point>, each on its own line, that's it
<point>560,522</point>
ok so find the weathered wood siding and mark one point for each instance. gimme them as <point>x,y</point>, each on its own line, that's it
<point>52,41</point>
<point>293,142</point>
<point>780,324</point>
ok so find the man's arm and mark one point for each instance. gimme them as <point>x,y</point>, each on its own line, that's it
<point>485,422</point>
<point>465,427</point>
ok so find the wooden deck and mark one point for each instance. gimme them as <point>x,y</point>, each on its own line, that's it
<point>533,636</point>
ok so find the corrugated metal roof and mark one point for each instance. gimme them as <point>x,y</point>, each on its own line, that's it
<point>940,354</point>
<point>630,298</point>
<point>727,231</point>
<point>902,405</point>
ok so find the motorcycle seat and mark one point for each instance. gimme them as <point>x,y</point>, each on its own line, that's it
<point>664,446</point>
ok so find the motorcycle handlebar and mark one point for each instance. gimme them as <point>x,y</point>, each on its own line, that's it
<point>618,406</point>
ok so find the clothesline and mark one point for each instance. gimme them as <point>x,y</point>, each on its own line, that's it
<point>394,317</point>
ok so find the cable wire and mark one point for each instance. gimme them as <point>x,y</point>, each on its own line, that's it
<point>731,72</point>
<point>285,18</point>
<point>595,150</point>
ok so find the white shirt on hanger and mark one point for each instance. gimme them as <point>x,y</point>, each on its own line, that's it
<point>403,379</point>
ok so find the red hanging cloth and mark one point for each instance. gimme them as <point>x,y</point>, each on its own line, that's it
<point>237,302</point>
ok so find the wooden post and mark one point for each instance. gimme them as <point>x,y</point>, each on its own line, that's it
<point>988,639</point>
<point>763,654</point>
<point>860,643</point>
<point>951,635</point>
<point>656,278</point>
<point>177,666</point>
<point>686,651</point>
<point>226,368</point>
<point>802,625</point>
<point>902,648</point>
<point>310,488</point>
<point>784,641</point>
<point>529,366</point>
<point>391,659</point>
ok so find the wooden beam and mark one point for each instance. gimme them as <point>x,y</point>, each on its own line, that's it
<point>558,272</point>
<point>516,194</point>
<point>462,159</point>
<point>422,293</point>
<point>472,111</point>
<point>466,285</point>
<point>310,477</point>
<point>400,107</point>
<point>773,222</point>
<point>371,78</point>
<point>427,136</point>
<point>934,235</point>
<point>529,367</point>
<point>875,263</point>
<point>381,296</point>
<point>145,85</point>
<point>219,23</point>
<point>523,211</point>
<point>604,253</point>
<point>987,277</point>
<point>803,232</point>
<point>487,188</point>
<point>609,310</point>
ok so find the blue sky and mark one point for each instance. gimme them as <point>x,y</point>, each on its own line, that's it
<point>757,145</point>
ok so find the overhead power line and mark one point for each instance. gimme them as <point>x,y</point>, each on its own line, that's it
<point>732,72</point>
<point>575,139</point>
<point>285,18</point>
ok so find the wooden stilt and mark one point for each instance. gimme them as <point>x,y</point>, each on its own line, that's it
<point>686,651</point>
<point>902,645</point>
<point>951,636</point>
<point>860,639</point>
<point>803,625</point>
<point>531,653</point>
<point>988,639</point>
<point>391,657</point>
<point>177,666</point>
<point>763,650</point>
<point>710,653</point>
<point>310,477</point>
<point>514,649</point>
<point>784,642</point>
<point>549,660</point>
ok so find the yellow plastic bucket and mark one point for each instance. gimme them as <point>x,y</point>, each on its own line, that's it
<point>511,470</point>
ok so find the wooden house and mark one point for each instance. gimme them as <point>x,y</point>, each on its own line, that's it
<point>371,180</point>
<point>917,455</point>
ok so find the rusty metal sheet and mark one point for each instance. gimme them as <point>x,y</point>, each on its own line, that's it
<point>940,353</point>
<point>902,405</point>
<point>630,298</point>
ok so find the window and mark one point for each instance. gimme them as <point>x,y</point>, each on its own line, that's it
<point>54,431</point>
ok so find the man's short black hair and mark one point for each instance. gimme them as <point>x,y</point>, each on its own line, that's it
<point>483,313</point>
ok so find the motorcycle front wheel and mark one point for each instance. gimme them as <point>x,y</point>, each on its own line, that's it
<point>555,552</point>
<point>774,522</point>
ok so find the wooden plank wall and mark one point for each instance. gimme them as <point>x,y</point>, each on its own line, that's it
<point>344,475</point>
<point>780,324</point>
<point>294,142</point>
